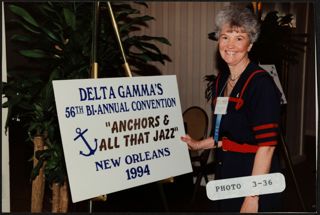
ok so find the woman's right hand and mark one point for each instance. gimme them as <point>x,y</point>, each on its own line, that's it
<point>207,143</point>
<point>192,144</point>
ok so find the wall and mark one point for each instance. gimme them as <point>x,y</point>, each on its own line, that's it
<point>186,25</point>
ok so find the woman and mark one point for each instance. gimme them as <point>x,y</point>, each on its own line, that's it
<point>246,130</point>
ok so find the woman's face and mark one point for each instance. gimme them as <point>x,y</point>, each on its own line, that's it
<point>234,45</point>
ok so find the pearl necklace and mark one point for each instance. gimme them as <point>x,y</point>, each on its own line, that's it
<point>238,76</point>
<point>231,82</point>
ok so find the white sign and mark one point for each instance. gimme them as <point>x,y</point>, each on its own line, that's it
<point>119,133</point>
<point>245,186</point>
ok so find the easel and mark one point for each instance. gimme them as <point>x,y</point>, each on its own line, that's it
<point>94,67</point>
<point>94,64</point>
<point>94,74</point>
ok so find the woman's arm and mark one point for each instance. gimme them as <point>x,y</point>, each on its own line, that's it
<point>199,144</point>
<point>262,160</point>
<point>262,163</point>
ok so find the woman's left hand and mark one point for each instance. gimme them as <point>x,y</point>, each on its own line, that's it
<point>250,204</point>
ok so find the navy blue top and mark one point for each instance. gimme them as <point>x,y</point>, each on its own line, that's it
<point>256,120</point>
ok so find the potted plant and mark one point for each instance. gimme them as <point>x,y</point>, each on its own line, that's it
<point>57,41</point>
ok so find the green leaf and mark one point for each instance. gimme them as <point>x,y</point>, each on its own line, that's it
<point>136,20</point>
<point>70,18</point>
<point>159,39</point>
<point>35,171</point>
<point>143,19</point>
<point>21,38</point>
<point>127,11</point>
<point>40,153</point>
<point>51,164</point>
<point>58,25</point>
<point>24,14</point>
<point>38,107</point>
<point>26,105</point>
<point>143,57</point>
<point>34,53</point>
<point>50,9</point>
<point>147,46</point>
<point>51,35</point>
<point>27,27</point>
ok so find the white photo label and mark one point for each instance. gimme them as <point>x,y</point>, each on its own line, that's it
<point>245,186</point>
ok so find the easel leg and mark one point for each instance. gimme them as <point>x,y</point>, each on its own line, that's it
<point>289,163</point>
<point>196,188</point>
<point>163,196</point>
<point>90,206</point>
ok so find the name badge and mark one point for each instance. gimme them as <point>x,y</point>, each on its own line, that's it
<point>221,105</point>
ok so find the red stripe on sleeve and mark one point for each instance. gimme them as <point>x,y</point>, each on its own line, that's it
<point>270,134</point>
<point>265,126</point>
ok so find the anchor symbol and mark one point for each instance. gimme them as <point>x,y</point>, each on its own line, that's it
<point>81,135</point>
